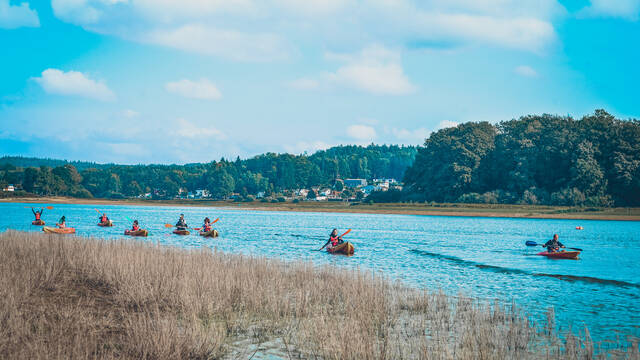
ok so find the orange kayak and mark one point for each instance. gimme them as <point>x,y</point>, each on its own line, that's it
<point>141,232</point>
<point>213,233</point>
<point>181,232</point>
<point>55,230</point>
<point>345,248</point>
<point>108,223</point>
<point>561,254</point>
<point>37,222</point>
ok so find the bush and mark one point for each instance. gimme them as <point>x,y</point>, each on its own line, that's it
<point>295,201</point>
<point>263,200</point>
<point>248,198</point>
<point>274,201</point>
<point>281,199</point>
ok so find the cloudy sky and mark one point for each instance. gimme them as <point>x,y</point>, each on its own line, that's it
<point>175,81</point>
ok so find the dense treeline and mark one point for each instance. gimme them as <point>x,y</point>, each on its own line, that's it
<point>269,173</point>
<point>594,161</point>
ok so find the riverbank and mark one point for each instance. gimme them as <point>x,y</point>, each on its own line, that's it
<point>470,210</point>
<point>73,297</point>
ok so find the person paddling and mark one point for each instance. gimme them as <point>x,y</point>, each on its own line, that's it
<point>38,214</point>
<point>104,219</point>
<point>135,226</point>
<point>181,224</point>
<point>206,227</point>
<point>62,223</point>
<point>554,245</point>
<point>334,240</point>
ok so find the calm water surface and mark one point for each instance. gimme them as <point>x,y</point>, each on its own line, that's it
<point>481,257</point>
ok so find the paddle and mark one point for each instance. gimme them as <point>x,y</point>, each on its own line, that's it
<point>533,243</point>
<point>323,246</point>
<point>46,207</point>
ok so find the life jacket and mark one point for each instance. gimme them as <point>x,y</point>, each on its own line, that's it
<point>334,240</point>
<point>135,227</point>
<point>37,215</point>
<point>103,218</point>
<point>206,227</point>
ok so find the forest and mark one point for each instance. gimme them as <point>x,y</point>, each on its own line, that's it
<point>268,173</point>
<point>537,159</point>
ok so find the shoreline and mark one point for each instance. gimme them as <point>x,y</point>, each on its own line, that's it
<point>458,210</point>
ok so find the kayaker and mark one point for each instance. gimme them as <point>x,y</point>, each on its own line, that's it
<point>181,224</point>
<point>62,223</point>
<point>104,219</point>
<point>38,214</point>
<point>334,240</point>
<point>553,245</point>
<point>135,226</point>
<point>206,227</point>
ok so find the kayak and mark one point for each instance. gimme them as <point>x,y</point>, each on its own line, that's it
<point>37,222</point>
<point>108,223</point>
<point>561,254</point>
<point>181,232</point>
<point>55,230</point>
<point>140,232</point>
<point>345,248</point>
<point>579,227</point>
<point>213,233</point>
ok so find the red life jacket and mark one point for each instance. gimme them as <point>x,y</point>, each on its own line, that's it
<point>206,227</point>
<point>37,216</point>
<point>135,227</point>
<point>334,240</point>
<point>104,219</point>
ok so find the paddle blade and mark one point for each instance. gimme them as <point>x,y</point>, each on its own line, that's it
<point>576,249</point>
<point>168,225</point>
<point>531,243</point>
<point>50,207</point>
<point>348,231</point>
<point>215,221</point>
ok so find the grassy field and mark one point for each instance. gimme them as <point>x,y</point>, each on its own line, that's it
<point>477,210</point>
<point>77,298</point>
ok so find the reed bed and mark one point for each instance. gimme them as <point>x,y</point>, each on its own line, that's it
<point>77,298</point>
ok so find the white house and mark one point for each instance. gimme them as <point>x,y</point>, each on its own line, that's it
<point>9,188</point>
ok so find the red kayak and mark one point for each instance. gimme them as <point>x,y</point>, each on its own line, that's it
<point>561,254</point>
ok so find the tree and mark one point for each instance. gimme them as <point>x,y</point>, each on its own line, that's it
<point>220,183</point>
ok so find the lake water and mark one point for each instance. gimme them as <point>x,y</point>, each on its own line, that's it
<point>480,257</point>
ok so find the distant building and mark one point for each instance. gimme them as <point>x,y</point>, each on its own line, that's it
<point>202,193</point>
<point>260,195</point>
<point>390,181</point>
<point>353,183</point>
<point>9,188</point>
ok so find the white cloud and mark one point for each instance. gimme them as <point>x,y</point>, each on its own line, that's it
<point>304,84</point>
<point>306,146</point>
<point>411,136</point>
<point>230,44</point>
<point>15,16</point>
<point>446,124</point>
<point>129,114</point>
<point>189,130</point>
<point>526,71</point>
<point>74,83</point>
<point>626,9</point>
<point>375,69</point>
<point>361,132</point>
<point>201,89</point>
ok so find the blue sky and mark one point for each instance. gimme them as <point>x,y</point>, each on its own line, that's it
<point>177,81</point>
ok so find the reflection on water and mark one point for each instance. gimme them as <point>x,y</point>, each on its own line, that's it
<point>483,257</point>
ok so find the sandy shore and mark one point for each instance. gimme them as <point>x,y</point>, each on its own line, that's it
<point>467,210</point>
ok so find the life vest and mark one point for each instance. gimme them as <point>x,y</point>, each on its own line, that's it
<point>103,218</point>
<point>135,227</point>
<point>334,240</point>
<point>37,216</point>
<point>206,227</point>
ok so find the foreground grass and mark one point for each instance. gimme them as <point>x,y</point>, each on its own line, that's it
<point>71,297</point>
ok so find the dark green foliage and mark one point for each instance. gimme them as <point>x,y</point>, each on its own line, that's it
<point>543,159</point>
<point>269,173</point>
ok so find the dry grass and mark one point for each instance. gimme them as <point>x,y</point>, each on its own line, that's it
<point>71,297</point>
